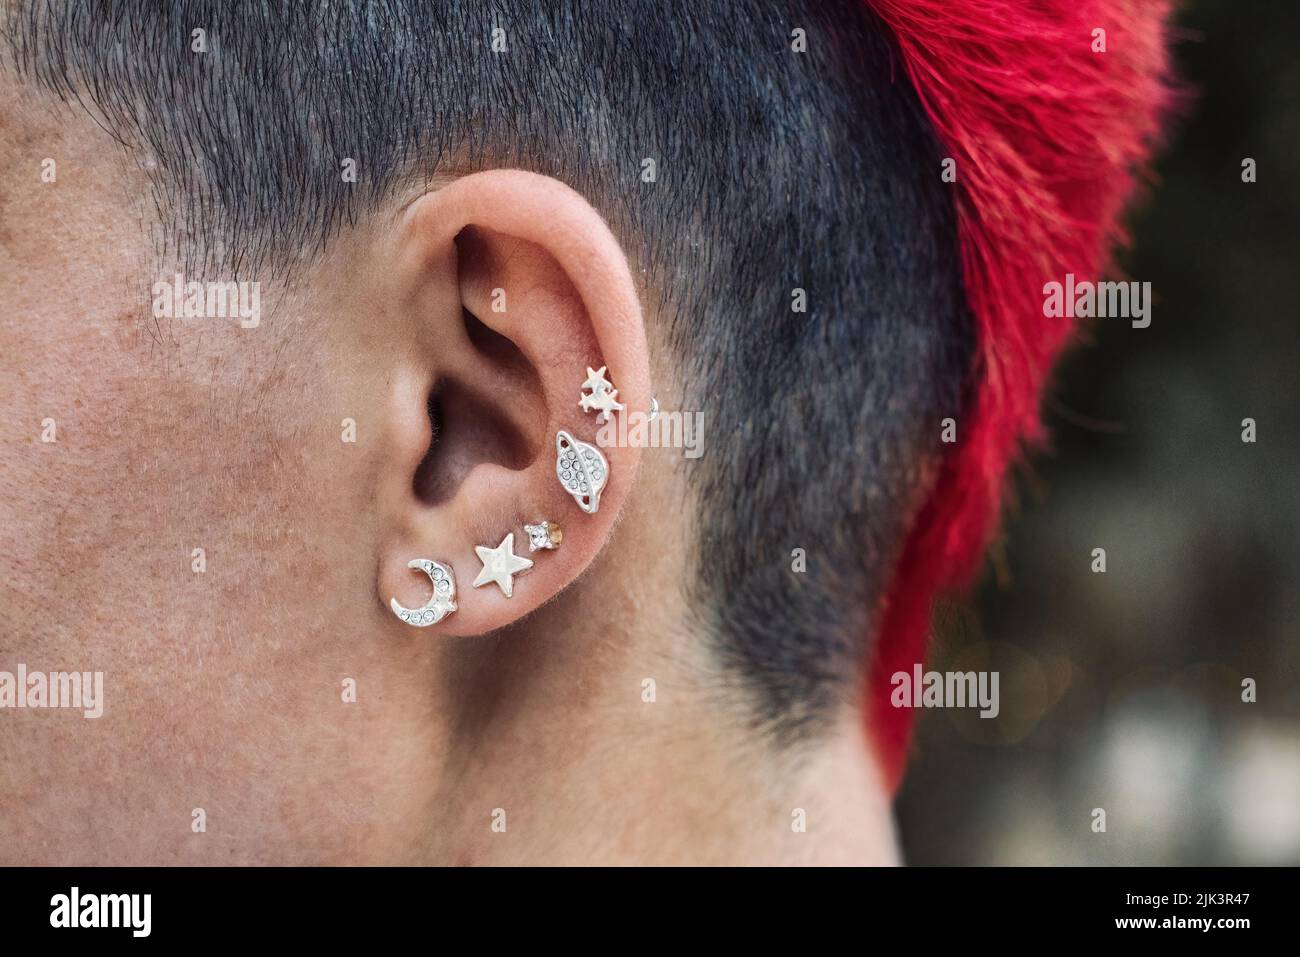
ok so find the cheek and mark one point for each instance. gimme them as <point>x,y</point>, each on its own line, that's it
<point>147,485</point>
<point>175,534</point>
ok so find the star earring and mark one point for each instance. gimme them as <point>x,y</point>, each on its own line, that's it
<point>603,396</point>
<point>443,602</point>
<point>500,565</point>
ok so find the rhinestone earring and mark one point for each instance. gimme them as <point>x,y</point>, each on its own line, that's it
<point>581,469</point>
<point>443,602</point>
<point>544,534</point>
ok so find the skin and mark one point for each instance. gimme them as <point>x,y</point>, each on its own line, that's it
<point>224,688</point>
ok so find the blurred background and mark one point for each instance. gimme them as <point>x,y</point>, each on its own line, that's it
<point>1123,690</point>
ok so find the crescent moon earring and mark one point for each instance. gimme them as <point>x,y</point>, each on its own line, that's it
<point>443,602</point>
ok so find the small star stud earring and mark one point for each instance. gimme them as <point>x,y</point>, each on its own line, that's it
<point>500,565</point>
<point>603,395</point>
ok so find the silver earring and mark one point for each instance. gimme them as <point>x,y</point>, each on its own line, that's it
<point>500,565</point>
<point>581,469</point>
<point>544,534</point>
<point>443,602</point>
<point>602,397</point>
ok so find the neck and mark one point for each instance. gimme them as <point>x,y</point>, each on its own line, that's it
<point>596,731</point>
<point>585,778</point>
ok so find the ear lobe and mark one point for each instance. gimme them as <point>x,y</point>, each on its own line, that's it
<point>542,294</point>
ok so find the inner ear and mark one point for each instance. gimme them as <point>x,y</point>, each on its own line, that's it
<point>501,352</point>
<point>485,410</point>
<point>468,428</point>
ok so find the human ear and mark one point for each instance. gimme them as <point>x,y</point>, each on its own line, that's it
<point>508,289</point>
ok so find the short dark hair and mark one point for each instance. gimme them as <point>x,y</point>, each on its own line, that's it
<point>777,170</point>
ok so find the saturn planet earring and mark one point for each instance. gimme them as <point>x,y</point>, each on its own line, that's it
<point>443,602</point>
<point>581,469</point>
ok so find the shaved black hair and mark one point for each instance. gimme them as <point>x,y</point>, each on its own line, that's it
<point>790,153</point>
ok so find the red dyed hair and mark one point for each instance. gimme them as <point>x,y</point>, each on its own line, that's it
<point>1047,136</point>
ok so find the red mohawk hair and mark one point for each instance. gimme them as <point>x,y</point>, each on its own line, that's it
<point>1047,131</point>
